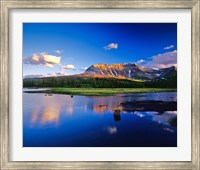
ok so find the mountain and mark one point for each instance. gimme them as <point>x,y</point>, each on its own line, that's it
<point>111,76</point>
<point>130,71</point>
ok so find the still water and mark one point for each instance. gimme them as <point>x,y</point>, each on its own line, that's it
<point>98,121</point>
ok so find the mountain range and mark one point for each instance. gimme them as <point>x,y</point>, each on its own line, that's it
<point>128,75</point>
<point>130,71</point>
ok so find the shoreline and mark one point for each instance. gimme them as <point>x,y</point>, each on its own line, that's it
<point>100,91</point>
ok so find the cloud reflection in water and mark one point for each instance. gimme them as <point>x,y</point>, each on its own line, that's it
<point>111,130</point>
<point>51,107</point>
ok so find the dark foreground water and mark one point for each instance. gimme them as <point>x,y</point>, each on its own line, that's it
<point>123,120</point>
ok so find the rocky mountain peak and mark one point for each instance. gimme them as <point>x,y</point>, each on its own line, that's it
<point>128,70</point>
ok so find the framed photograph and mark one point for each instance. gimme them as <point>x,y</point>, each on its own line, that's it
<point>100,84</point>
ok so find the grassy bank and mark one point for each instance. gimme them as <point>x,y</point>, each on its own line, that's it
<point>105,91</point>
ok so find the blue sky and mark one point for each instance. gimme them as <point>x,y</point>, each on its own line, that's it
<point>69,48</point>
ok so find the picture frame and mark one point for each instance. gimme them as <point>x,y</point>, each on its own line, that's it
<point>6,5</point>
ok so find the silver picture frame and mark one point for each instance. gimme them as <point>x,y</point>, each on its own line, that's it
<point>6,5</point>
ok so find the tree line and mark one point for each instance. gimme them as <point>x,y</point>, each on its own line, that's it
<point>96,82</point>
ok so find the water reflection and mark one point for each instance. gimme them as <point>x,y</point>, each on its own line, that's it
<point>34,116</point>
<point>71,121</point>
<point>100,108</point>
<point>111,130</point>
<point>155,117</point>
<point>117,116</point>
<point>50,114</point>
<point>69,104</point>
<point>49,108</point>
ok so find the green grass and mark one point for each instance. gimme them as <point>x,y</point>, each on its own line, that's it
<point>105,91</point>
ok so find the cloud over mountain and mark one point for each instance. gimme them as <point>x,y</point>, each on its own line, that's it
<point>34,76</point>
<point>164,60</point>
<point>140,61</point>
<point>45,75</point>
<point>168,47</point>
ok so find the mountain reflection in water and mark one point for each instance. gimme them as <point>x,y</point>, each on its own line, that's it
<point>120,120</point>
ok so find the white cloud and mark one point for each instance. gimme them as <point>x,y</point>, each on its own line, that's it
<point>43,59</point>
<point>111,46</point>
<point>69,67</point>
<point>140,61</point>
<point>168,47</point>
<point>163,60</point>
<point>58,51</point>
<point>83,69</point>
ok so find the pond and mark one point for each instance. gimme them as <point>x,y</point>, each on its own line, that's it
<point>122,120</point>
